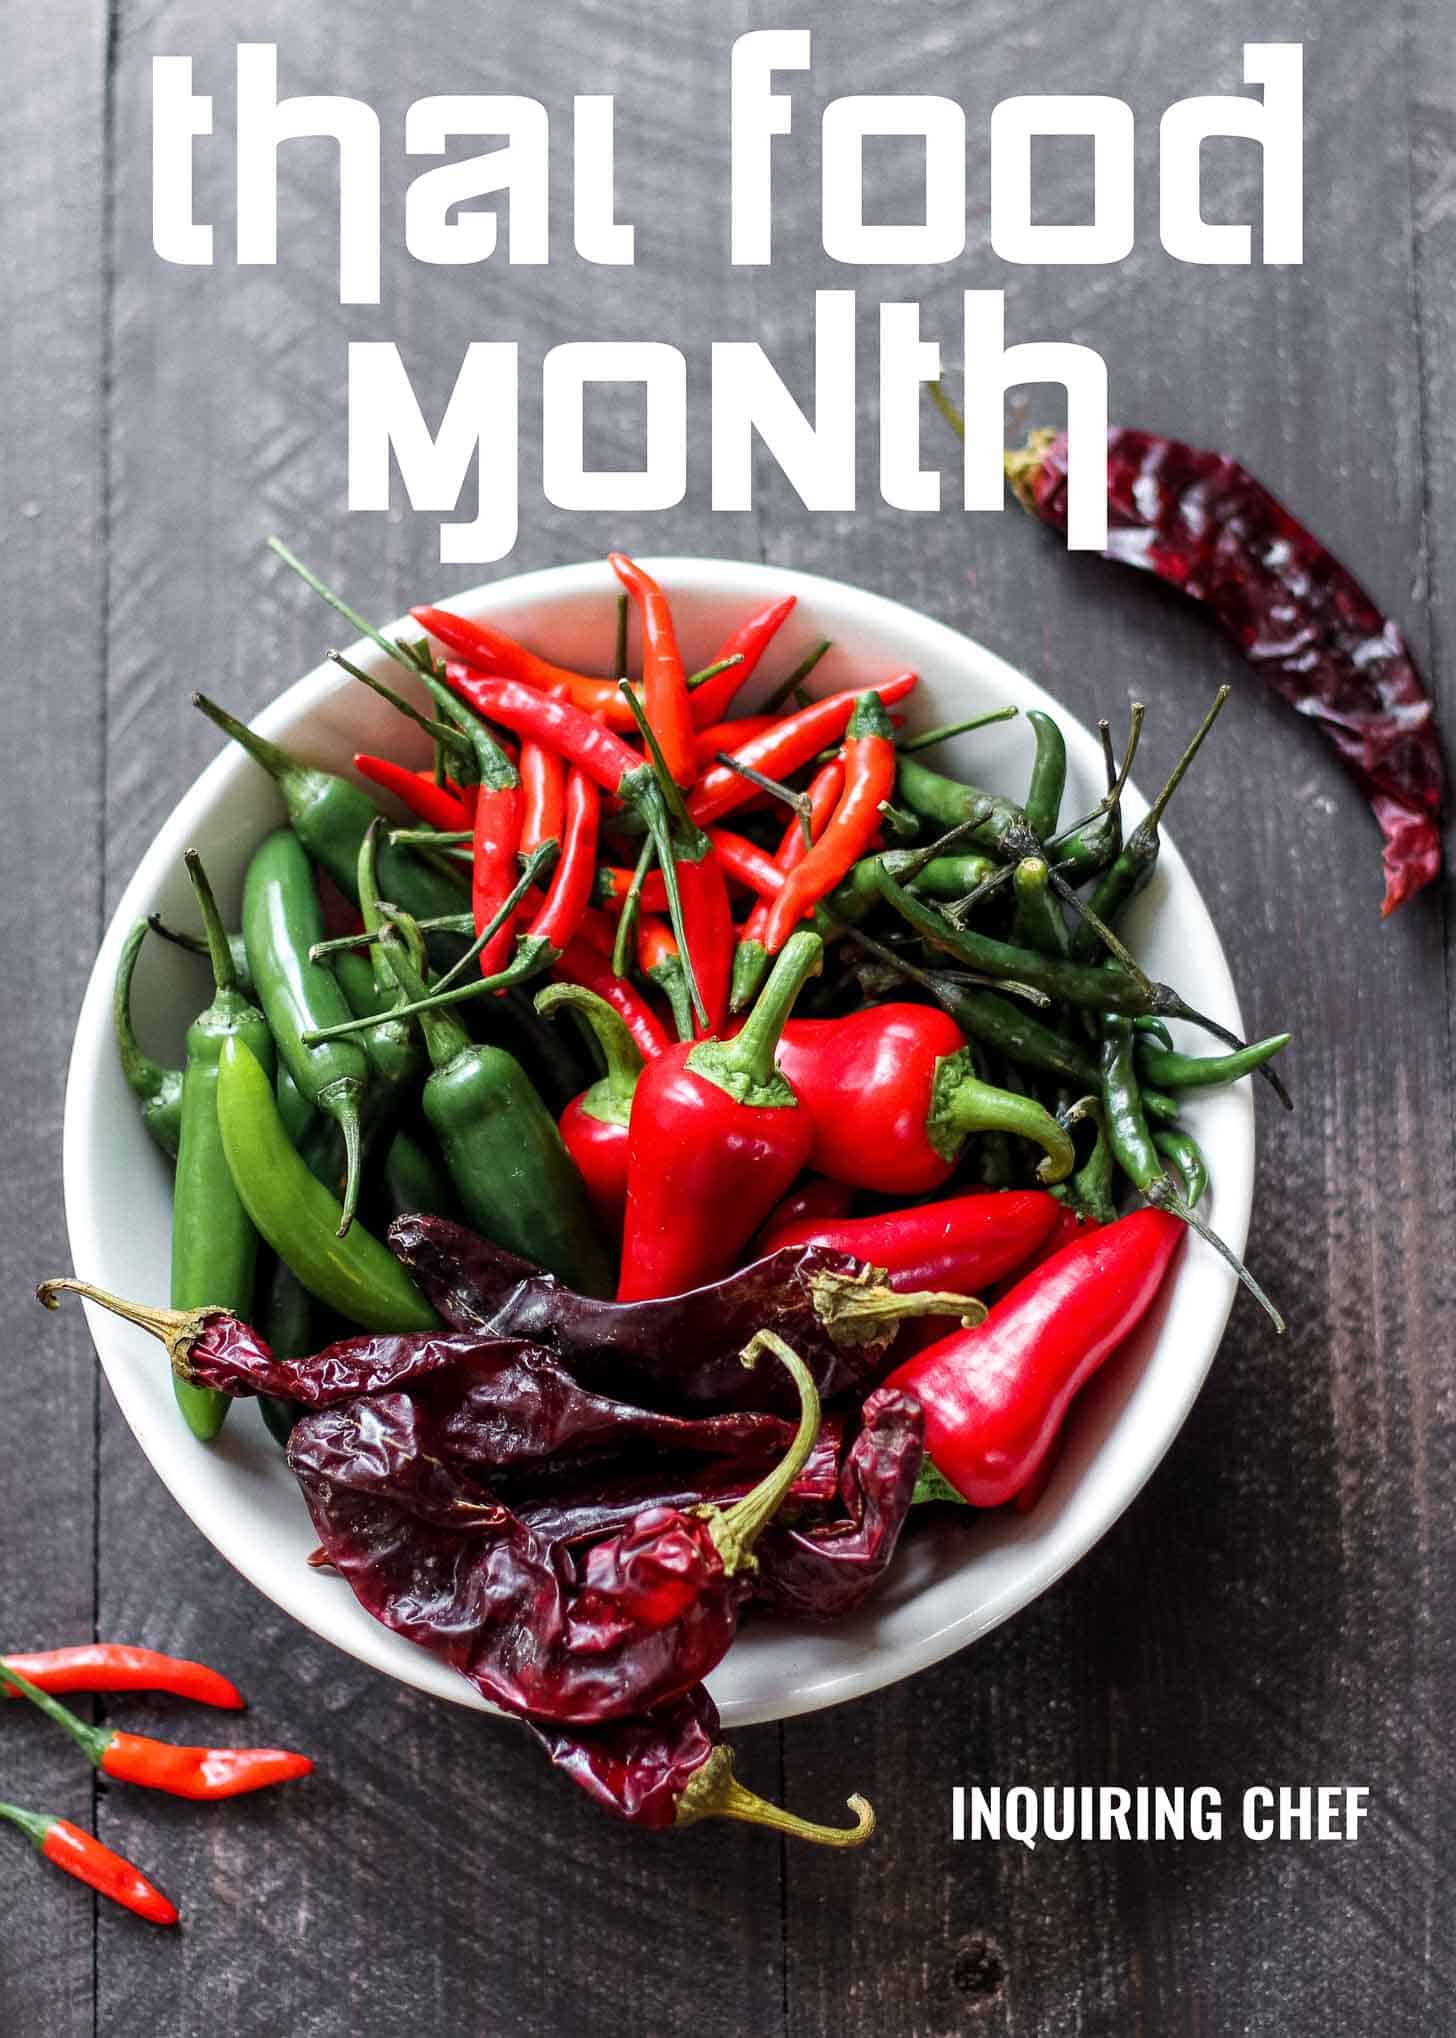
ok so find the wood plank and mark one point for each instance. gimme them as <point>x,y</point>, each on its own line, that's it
<point>433,1872</point>
<point>51,372</point>
<point>1268,1610</point>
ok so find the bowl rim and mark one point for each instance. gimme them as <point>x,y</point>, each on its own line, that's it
<point>1048,1557</point>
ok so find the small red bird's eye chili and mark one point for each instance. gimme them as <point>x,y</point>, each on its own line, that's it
<point>966,1242</point>
<point>80,1854</point>
<point>583,963</point>
<point>614,882</point>
<point>995,1395</point>
<point>160,1765</point>
<point>665,698</point>
<point>869,780</point>
<point>113,1666</point>
<point>1201,522</point>
<point>751,958</point>
<point>492,652</point>
<point>659,961</point>
<point>792,742</point>
<point>893,1098</point>
<point>594,1125</point>
<point>747,644</point>
<point>746,863</point>
<point>495,831</point>
<point>543,796</point>
<point>730,736</point>
<point>671,1769</point>
<point>570,891</point>
<point>416,790</point>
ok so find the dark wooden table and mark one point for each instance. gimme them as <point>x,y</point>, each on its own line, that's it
<point>1279,1604</point>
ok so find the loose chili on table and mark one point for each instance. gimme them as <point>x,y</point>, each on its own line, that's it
<point>82,1855</point>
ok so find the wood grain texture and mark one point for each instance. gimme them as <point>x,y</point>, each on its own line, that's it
<point>1277,1606</point>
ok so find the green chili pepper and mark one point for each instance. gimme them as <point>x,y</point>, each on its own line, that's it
<point>988,818</point>
<point>1086,850</point>
<point>158,1090</point>
<point>194,944</point>
<point>281,920</point>
<point>1038,921</point>
<point>945,877</point>
<point>298,1216</point>
<point>214,1245</point>
<point>1157,1029</point>
<point>504,1154</point>
<point>1170,1070</point>
<point>1048,776</point>
<point>1180,1147</point>
<point>392,1047</point>
<point>414,1181</point>
<point>1090,1191</point>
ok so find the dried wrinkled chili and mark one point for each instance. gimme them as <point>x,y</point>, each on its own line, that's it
<point>1202,523</point>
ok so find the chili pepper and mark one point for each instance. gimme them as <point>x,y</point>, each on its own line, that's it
<point>782,750</point>
<point>281,921</point>
<point>869,779</point>
<point>543,796</point>
<point>160,1765</point>
<point>1135,1153</point>
<point>824,1570</point>
<point>372,989</point>
<point>114,1666</point>
<point>670,1769</point>
<point>813,1199</point>
<point>1048,776</point>
<point>751,957</point>
<point>594,1125</point>
<point>995,1395</point>
<point>893,1097</point>
<point>1037,921</point>
<point>1090,1191</point>
<point>286,1317</point>
<point>660,962</point>
<point>990,819</point>
<point>1202,523</point>
<point>490,652</point>
<point>587,966</point>
<point>966,1242</point>
<point>716,1138</point>
<point>81,1854</point>
<point>746,644</point>
<point>680,1350</point>
<point>746,863</point>
<point>665,698</point>
<point>298,1215</point>
<point>940,877</point>
<point>514,1177</point>
<point>416,790</point>
<point>214,1245</point>
<point>1169,1070</point>
<point>613,883</point>
<point>560,914</point>
<point>729,736</point>
<point>1183,1150</point>
<point>495,837</point>
<point>158,1090</point>
<point>329,815</point>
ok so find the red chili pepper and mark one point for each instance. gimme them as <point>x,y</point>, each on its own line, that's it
<point>557,723</point>
<point>717,1136</point>
<point>815,1197</point>
<point>729,736</point>
<point>491,651</point>
<point>1202,523</point>
<point>751,958</point>
<point>660,961</point>
<point>416,790</point>
<point>964,1243</point>
<point>543,796</point>
<point>746,863</point>
<point>707,925</point>
<point>565,904</point>
<point>495,844</point>
<point>614,883</point>
<point>994,1396</point>
<point>785,748</point>
<point>747,643</point>
<point>160,1765</point>
<point>893,1097</point>
<point>594,1125</point>
<point>665,696</point>
<point>584,964</point>
<point>113,1666</point>
<point>869,780</point>
<point>81,1854</point>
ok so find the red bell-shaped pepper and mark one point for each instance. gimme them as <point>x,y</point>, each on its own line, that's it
<point>893,1097</point>
<point>717,1136</point>
<point>994,1396</point>
<point>965,1243</point>
<point>594,1125</point>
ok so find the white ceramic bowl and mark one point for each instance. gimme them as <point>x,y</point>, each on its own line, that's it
<point>955,1577</point>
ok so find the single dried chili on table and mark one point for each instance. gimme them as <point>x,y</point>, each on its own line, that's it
<point>1202,523</point>
<point>82,1855</point>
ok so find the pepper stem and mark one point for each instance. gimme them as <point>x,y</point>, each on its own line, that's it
<point>631,906</point>
<point>177,1329</point>
<point>715,1793</point>
<point>795,680</point>
<point>619,1051</point>
<point>735,1530</point>
<point>35,1825</point>
<point>928,738</point>
<point>1171,1006</point>
<point>854,1308</point>
<point>219,949</point>
<point>440,733</point>
<point>961,1103</point>
<point>707,672</point>
<point>1161,1193</point>
<point>1020,466</point>
<point>1159,807</point>
<point>92,1739</point>
<point>750,1053</point>
<point>285,770</point>
<point>337,602</point>
<point>145,1078</point>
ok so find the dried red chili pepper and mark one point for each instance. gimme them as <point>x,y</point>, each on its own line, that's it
<point>746,644</point>
<point>995,1396</point>
<point>680,1351</point>
<point>115,1666</point>
<point>823,1570</point>
<point>671,1769</point>
<point>965,1242</point>
<point>81,1854</point>
<point>869,780</point>
<point>785,748</point>
<point>1201,522</point>
<point>417,790</point>
<point>665,698</point>
<point>160,1765</point>
<point>492,652</point>
<point>543,796</point>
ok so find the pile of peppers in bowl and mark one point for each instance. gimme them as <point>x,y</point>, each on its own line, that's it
<point>682,1148</point>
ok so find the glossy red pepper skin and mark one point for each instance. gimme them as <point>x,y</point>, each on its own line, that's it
<point>491,651</point>
<point>813,1197</point>
<point>785,748</point>
<point>569,894</point>
<point>729,736</point>
<point>707,920</point>
<point>599,1148</point>
<point>201,1773</point>
<point>994,1397</point>
<point>80,1854</point>
<point>496,842</point>
<point>584,963</point>
<point>550,719</point>
<point>746,863</point>
<point>867,1082</point>
<point>711,700</point>
<point>869,780</point>
<point>113,1666</point>
<point>543,796</point>
<point>962,1244</point>
<point>665,696</point>
<point>417,790</point>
